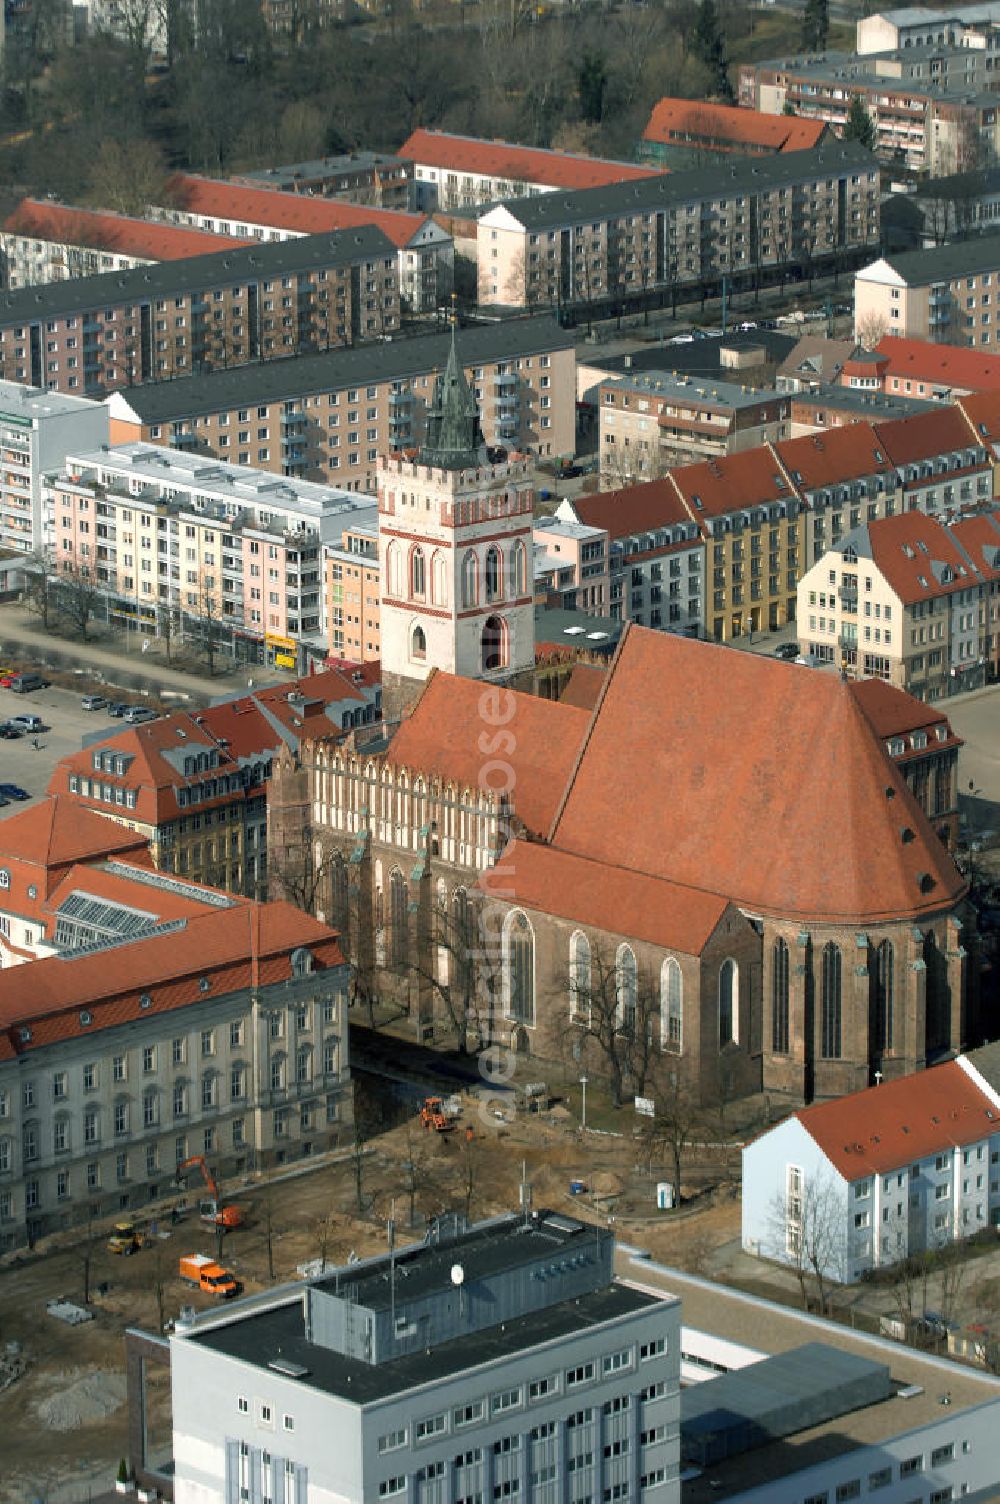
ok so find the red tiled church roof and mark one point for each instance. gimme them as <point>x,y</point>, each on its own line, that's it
<point>871,1132</point>
<point>583,686</point>
<point>478,736</point>
<point>526,164</point>
<point>615,899</point>
<point>759,779</point>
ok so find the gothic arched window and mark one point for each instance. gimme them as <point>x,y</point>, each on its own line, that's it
<point>779,997</point>
<point>729,996</point>
<point>495,650</point>
<point>579,976</point>
<point>519,968</point>
<point>671,1005</point>
<point>626,989</point>
<point>418,643</point>
<point>418,574</point>
<point>884,984</point>
<point>518,570</point>
<point>494,576</point>
<point>470,580</point>
<point>830,1003</point>
<point>439,579</point>
<point>398,918</point>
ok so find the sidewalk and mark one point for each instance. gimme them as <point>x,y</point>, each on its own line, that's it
<point>105,659</point>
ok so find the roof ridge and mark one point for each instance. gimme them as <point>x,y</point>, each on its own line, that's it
<point>581,750</point>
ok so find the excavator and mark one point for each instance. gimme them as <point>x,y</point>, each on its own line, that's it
<point>210,1208</point>
<point>433,1115</point>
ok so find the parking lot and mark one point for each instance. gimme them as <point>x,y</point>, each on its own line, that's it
<point>20,761</point>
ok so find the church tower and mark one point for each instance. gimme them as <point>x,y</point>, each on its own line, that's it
<point>455,553</point>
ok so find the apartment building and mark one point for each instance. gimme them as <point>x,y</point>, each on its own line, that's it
<point>948,293</point>
<point>911,599</point>
<point>465,172</point>
<point>649,422</point>
<point>99,334</point>
<point>357,177</point>
<point>936,371</point>
<point>37,430</point>
<point>179,545</point>
<point>196,786</point>
<point>425,252</point>
<point>843,477</point>
<point>690,132</point>
<point>905,1167</point>
<point>570,563</point>
<point>169,1021</point>
<point>935,109</point>
<point>353,590</point>
<point>752,524</point>
<point>655,563</point>
<point>747,219</point>
<point>329,417</point>
<point>46,242</point>
<point>909,26</point>
<point>829,407</point>
<point>956,205</point>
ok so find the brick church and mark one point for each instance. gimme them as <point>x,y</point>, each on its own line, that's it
<point>698,859</point>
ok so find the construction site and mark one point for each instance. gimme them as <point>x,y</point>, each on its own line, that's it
<point>64,1307</point>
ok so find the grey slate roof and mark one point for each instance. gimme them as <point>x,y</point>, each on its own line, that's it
<point>742,174</point>
<point>941,263</point>
<point>305,375</point>
<point>167,279</point>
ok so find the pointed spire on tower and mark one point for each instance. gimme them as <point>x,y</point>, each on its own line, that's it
<point>454,436</point>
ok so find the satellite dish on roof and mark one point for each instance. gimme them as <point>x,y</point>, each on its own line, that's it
<point>457,1274</point>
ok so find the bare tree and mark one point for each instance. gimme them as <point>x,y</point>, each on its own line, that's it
<point>871,329</point>
<point>677,1117</point>
<point>807,1226</point>
<point>461,971</point>
<point>128,176</point>
<point>615,1006</point>
<point>40,591</point>
<point>77,592</point>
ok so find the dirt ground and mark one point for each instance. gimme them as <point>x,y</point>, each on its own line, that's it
<point>73,1389</point>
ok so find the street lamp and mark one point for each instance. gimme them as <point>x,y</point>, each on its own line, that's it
<point>583,1114</point>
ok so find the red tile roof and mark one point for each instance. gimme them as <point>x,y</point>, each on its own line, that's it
<point>56,832</point>
<point>632,509</point>
<point>233,948</point>
<point>892,712</point>
<point>748,479</point>
<point>675,121</point>
<point>686,734</point>
<point>583,686</point>
<point>885,1127</point>
<point>122,883</point>
<point>911,550</point>
<point>67,225</point>
<point>614,899</point>
<point>925,436</point>
<point>837,455</point>
<point>298,212</point>
<point>955,366</point>
<point>982,413</point>
<point>523,164</point>
<point>478,736</point>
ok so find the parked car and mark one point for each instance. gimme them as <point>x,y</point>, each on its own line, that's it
<point>787,650</point>
<point>93,702</point>
<point>7,677</point>
<point>28,723</point>
<point>26,684</point>
<point>136,715</point>
<point>13,791</point>
<point>9,732</point>
<point>117,708</point>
